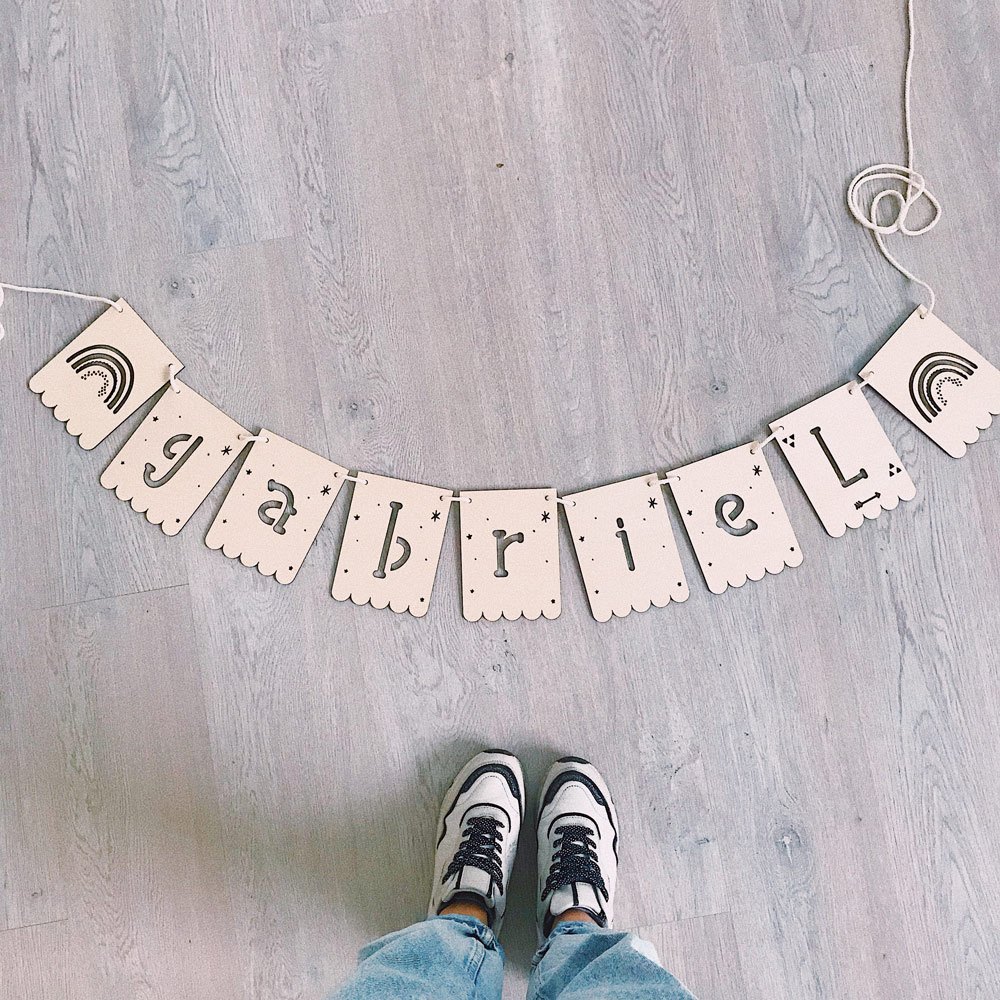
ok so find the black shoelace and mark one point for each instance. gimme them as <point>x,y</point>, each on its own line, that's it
<point>480,848</point>
<point>575,860</point>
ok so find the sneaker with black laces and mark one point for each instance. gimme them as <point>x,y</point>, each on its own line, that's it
<point>477,834</point>
<point>577,845</point>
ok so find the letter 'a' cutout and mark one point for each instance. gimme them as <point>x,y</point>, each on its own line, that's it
<point>843,460</point>
<point>734,516</point>
<point>626,548</point>
<point>104,375</point>
<point>276,506</point>
<point>174,458</point>
<point>392,544</point>
<point>935,379</point>
<point>510,554</point>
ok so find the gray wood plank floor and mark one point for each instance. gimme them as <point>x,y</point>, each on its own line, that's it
<point>491,244</point>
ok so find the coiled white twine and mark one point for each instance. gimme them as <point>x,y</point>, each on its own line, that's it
<point>900,202</point>
<point>52,291</point>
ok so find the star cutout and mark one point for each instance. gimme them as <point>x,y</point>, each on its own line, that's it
<point>249,471</point>
<point>756,470</point>
<point>652,501</point>
<point>325,491</point>
<point>436,516</point>
<point>469,537</point>
<point>581,538</point>
<point>357,517</point>
<point>155,419</point>
<point>227,450</point>
<point>545,515</point>
<point>690,513</point>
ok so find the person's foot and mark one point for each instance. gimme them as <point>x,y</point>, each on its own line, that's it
<point>577,845</point>
<point>477,835</point>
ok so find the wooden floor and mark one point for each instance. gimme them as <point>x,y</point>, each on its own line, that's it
<point>545,242</point>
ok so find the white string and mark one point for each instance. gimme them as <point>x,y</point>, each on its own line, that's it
<point>562,500</point>
<point>861,382</point>
<point>172,376</point>
<point>53,291</point>
<point>653,481</point>
<point>444,498</point>
<point>253,437</point>
<point>351,479</point>
<point>916,187</point>
<point>757,445</point>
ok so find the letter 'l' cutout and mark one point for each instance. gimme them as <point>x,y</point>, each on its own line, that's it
<point>852,433</point>
<point>392,518</point>
<point>510,554</point>
<point>734,517</point>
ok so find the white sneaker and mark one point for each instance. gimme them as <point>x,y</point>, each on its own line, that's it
<point>477,834</point>
<point>577,845</point>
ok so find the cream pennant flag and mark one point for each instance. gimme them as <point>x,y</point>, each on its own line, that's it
<point>174,458</point>
<point>105,374</point>
<point>276,506</point>
<point>843,460</point>
<point>734,516</point>
<point>625,547</point>
<point>510,554</point>
<point>934,378</point>
<point>392,543</point>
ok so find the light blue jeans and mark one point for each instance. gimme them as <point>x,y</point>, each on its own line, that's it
<point>458,958</point>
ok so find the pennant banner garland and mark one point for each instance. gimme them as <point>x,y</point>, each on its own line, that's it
<point>728,503</point>
<point>625,546</point>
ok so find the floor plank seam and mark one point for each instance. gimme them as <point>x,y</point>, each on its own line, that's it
<point>113,597</point>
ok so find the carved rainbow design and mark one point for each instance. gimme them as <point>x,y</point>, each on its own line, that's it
<point>111,366</point>
<point>931,373</point>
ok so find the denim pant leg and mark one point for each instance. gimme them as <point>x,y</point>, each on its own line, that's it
<point>581,961</point>
<point>444,958</point>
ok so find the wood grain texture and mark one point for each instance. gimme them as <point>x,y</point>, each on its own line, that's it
<point>491,245</point>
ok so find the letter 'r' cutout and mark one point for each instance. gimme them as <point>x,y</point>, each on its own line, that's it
<point>510,554</point>
<point>392,543</point>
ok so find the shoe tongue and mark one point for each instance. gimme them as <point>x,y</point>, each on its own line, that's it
<point>576,896</point>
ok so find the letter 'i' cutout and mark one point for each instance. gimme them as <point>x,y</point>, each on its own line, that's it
<point>734,517</point>
<point>392,543</point>
<point>510,554</point>
<point>174,458</point>
<point>625,548</point>
<point>276,506</point>
<point>827,438</point>
<point>937,380</point>
<point>104,375</point>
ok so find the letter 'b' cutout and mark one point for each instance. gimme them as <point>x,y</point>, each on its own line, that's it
<point>392,543</point>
